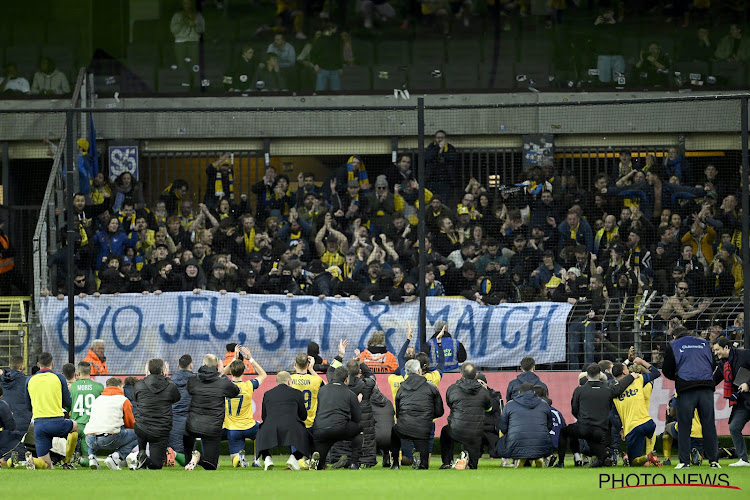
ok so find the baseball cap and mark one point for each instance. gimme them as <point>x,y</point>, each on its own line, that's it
<point>729,248</point>
<point>548,253</point>
<point>618,248</point>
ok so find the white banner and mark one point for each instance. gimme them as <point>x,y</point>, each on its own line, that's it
<point>137,328</point>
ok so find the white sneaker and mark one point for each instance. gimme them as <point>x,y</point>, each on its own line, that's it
<point>292,463</point>
<point>740,463</point>
<point>256,462</point>
<point>30,461</point>
<point>94,464</point>
<point>243,460</point>
<point>132,460</point>
<point>268,463</point>
<point>112,463</point>
<point>463,461</point>
<point>682,466</point>
<point>194,461</point>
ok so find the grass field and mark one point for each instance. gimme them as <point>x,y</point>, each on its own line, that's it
<point>489,479</point>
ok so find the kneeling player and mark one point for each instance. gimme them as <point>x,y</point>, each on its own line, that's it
<point>239,423</point>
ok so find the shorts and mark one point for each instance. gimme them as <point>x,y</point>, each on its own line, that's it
<point>636,439</point>
<point>237,438</point>
<point>47,428</point>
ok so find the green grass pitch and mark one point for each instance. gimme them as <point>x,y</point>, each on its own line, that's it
<point>375,483</point>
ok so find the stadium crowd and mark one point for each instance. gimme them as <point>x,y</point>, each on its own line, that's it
<point>648,225</point>
<point>347,422</point>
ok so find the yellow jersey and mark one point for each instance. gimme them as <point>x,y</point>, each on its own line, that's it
<point>632,406</point>
<point>48,393</point>
<point>309,385</point>
<point>238,411</point>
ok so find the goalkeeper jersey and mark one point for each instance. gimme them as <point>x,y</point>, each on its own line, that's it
<point>83,392</point>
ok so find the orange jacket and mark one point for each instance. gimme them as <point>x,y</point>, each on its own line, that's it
<point>379,362</point>
<point>6,263</point>
<point>229,357</point>
<point>706,243</point>
<point>98,367</point>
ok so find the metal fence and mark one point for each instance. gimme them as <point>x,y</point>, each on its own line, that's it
<point>495,166</point>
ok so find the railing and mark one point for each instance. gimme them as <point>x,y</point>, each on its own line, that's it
<point>636,321</point>
<point>51,216</point>
<point>14,329</point>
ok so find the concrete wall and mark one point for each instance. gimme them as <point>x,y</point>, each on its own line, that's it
<point>480,120</point>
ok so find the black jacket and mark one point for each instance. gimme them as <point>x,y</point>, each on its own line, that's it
<point>155,396</point>
<point>180,409</point>
<point>337,405</point>
<point>208,389</point>
<point>468,402</point>
<point>514,384</point>
<point>418,402</point>
<point>525,424</point>
<point>364,384</point>
<point>592,401</point>
<point>738,358</point>
<point>283,415</point>
<point>13,383</point>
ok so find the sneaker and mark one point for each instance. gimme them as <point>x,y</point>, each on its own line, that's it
<point>30,461</point>
<point>594,463</point>
<point>314,461</point>
<point>340,463</point>
<point>292,463</point>
<point>242,459</point>
<point>552,461</point>
<point>193,461</point>
<point>94,464</point>
<point>666,461</point>
<point>560,465</point>
<point>13,462</point>
<point>143,458</point>
<point>463,461</point>
<point>625,460</point>
<point>366,466</point>
<point>682,466</point>
<point>112,463</point>
<point>387,459</point>
<point>539,463</point>
<point>715,465</point>
<point>132,460</point>
<point>256,462</point>
<point>695,457</point>
<point>446,466</point>
<point>740,463</point>
<point>654,460</point>
<point>268,463</point>
<point>416,460</point>
<point>577,463</point>
<point>169,462</point>
<point>69,466</point>
<point>615,457</point>
<point>304,464</point>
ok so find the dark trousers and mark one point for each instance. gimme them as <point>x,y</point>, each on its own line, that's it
<point>688,401</point>
<point>422,445</point>
<point>596,438</point>
<point>209,449</point>
<point>157,448</point>
<point>737,419</point>
<point>447,441</point>
<point>489,439</point>
<point>324,439</point>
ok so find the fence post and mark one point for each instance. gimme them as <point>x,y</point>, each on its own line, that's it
<point>421,228</point>
<point>745,223</point>
<point>70,176</point>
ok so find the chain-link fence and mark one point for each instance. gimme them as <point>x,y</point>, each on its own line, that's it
<point>324,202</point>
